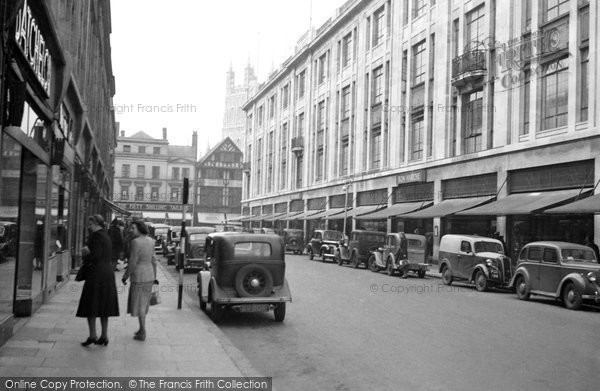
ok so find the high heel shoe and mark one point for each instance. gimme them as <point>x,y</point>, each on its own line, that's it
<point>140,337</point>
<point>102,341</point>
<point>89,341</point>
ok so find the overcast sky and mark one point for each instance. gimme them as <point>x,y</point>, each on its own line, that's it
<point>170,58</point>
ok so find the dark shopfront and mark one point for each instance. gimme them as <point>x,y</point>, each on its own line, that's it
<point>411,193</point>
<point>531,192</point>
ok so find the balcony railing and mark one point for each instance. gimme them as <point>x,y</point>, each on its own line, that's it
<point>469,65</point>
<point>298,145</point>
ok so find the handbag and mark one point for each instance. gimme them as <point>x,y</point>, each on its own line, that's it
<point>155,296</point>
<point>84,272</point>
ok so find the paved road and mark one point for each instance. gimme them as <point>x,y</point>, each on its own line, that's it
<point>356,330</point>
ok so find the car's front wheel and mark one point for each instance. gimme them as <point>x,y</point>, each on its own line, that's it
<point>421,273</point>
<point>279,312</point>
<point>354,260</point>
<point>522,289</point>
<point>338,258</point>
<point>310,254</point>
<point>372,265</point>
<point>481,282</point>
<point>572,297</point>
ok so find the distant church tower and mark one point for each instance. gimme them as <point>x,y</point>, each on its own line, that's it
<point>234,120</point>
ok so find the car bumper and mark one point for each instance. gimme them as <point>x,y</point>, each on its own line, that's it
<point>593,297</point>
<point>194,263</point>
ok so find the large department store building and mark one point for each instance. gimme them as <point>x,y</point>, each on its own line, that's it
<point>445,116</point>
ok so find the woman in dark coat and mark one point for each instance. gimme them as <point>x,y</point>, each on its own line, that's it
<point>99,295</point>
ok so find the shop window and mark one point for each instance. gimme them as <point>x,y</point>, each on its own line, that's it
<point>473,121</point>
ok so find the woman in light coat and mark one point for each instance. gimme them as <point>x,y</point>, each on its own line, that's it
<point>142,271</point>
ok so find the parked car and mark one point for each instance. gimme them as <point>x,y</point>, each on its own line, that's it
<point>245,273</point>
<point>566,271</point>
<point>474,259</point>
<point>390,259</point>
<point>8,239</point>
<point>194,247</point>
<point>323,244</point>
<point>294,240</point>
<point>359,248</point>
<point>159,233</point>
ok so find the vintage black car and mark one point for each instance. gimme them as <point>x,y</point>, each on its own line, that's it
<point>360,247</point>
<point>390,257</point>
<point>566,271</point>
<point>294,240</point>
<point>194,247</point>
<point>159,233</point>
<point>323,244</point>
<point>245,273</point>
<point>474,259</point>
<point>8,239</point>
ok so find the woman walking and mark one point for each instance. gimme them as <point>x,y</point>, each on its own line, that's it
<point>99,295</point>
<point>142,270</point>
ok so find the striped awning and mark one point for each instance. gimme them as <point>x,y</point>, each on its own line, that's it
<point>395,210</point>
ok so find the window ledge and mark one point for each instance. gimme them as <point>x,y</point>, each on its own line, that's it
<point>551,132</point>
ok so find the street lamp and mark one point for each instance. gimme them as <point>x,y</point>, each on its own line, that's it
<point>345,188</point>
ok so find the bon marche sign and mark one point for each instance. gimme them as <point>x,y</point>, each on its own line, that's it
<point>33,45</point>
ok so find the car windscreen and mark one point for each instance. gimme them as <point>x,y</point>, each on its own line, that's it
<point>252,249</point>
<point>198,237</point>
<point>161,231</point>
<point>578,255</point>
<point>488,247</point>
<point>295,234</point>
<point>332,235</point>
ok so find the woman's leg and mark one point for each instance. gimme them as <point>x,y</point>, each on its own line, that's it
<point>92,326</point>
<point>104,324</point>
<point>142,320</point>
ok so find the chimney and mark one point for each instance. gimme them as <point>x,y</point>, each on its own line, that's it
<point>122,133</point>
<point>164,133</point>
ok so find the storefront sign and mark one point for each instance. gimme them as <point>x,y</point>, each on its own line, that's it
<point>411,177</point>
<point>29,38</point>
<point>148,206</point>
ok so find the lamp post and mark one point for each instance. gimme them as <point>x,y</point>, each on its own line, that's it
<point>346,186</point>
<point>225,194</point>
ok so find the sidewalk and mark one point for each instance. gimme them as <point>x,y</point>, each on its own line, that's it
<point>179,342</point>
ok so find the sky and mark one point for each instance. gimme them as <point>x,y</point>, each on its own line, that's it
<point>170,58</point>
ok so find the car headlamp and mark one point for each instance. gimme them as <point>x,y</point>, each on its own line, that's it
<point>489,262</point>
<point>592,277</point>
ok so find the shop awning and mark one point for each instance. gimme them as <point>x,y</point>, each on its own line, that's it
<point>360,210</point>
<point>154,215</point>
<point>522,203</point>
<point>303,215</point>
<point>326,214</point>
<point>177,215</point>
<point>290,216</point>
<point>247,218</point>
<point>116,208</point>
<point>447,207</point>
<point>236,218</point>
<point>395,210</point>
<point>274,217</point>
<point>211,218</point>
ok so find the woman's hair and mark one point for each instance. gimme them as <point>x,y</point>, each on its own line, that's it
<point>141,227</point>
<point>97,219</point>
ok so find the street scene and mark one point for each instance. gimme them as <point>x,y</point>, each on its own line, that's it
<point>292,195</point>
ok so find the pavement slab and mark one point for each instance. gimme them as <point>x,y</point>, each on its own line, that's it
<point>179,342</point>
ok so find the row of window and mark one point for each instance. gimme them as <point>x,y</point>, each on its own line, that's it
<point>207,196</point>
<point>141,172</point>
<point>552,106</point>
<point>142,149</point>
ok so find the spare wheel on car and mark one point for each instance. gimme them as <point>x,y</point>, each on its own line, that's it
<point>253,281</point>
